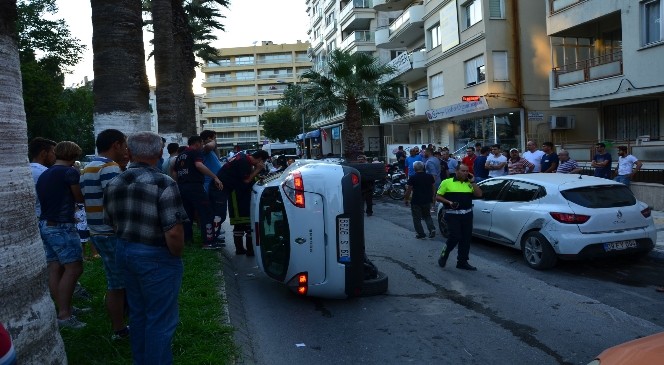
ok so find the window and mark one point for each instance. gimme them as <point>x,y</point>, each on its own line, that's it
<point>500,70</point>
<point>436,85</point>
<point>628,121</point>
<point>652,21</point>
<point>475,71</point>
<point>244,60</point>
<point>245,75</point>
<point>497,9</point>
<point>331,46</point>
<point>609,196</point>
<point>274,233</point>
<point>249,119</point>
<point>473,10</point>
<point>521,191</point>
<point>433,36</point>
<point>491,188</point>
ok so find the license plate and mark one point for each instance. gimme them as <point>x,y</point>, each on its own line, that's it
<point>620,245</point>
<point>343,236</point>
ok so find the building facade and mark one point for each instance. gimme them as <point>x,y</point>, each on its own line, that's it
<point>245,82</point>
<point>606,56</point>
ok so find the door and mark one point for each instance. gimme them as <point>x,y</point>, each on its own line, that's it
<point>483,207</point>
<point>517,203</point>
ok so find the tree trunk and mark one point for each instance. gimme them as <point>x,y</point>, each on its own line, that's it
<point>186,70</point>
<point>164,63</point>
<point>353,139</point>
<point>120,85</point>
<point>26,309</point>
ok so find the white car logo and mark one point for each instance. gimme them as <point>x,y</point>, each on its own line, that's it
<point>619,215</point>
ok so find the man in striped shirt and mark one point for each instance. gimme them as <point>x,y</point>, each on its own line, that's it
<point>111,146</point>
<point>567,165</point>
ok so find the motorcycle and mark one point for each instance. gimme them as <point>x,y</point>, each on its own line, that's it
<point>394,185</point>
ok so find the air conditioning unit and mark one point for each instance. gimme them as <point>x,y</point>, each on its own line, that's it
<point>561,122</point>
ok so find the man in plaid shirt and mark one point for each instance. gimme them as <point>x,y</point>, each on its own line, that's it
<point>517,164</point>
<point>144,208</point>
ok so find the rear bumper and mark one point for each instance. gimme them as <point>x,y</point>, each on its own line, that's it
<point>576,245</point>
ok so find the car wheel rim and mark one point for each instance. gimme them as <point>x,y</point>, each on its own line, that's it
<point>533,250</point>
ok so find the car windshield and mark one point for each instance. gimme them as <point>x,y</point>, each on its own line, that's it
<point>601,196</point>
<point>274,233</point>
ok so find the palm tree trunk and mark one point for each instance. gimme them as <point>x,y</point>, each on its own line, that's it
<point>164,64</point>
<point>26,308</point>
<point>352,132</point>
<point>121,84</point>
<point>184,48</point>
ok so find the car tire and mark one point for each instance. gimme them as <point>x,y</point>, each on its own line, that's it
<point>375,286</point>
<point>397,192</point>
<point>442,224</point>
<point>537,251</point>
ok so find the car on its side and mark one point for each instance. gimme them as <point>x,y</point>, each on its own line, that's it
<point>567,216</point>
<point>647,350</point>
<point>310,231</point>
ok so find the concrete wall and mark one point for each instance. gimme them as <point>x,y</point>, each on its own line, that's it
<point>652,194</point>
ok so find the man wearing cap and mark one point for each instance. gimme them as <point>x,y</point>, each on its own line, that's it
<point>602,161</point>
<point>517,164</point>
<point>625,170</point>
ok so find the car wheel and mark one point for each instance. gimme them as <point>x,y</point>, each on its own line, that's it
<point>397,192</point>
<point>537,251</point>
<point>375,286</point>
<point>442,224</point>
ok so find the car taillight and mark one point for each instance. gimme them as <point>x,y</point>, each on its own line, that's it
<point>646,213</point>
<point>569,218</point>
<point>294,188</point>
<point>355,179</point>
<point>299,283</point>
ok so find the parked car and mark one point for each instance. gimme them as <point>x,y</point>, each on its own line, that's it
<point>642,351</point>
<point>310,231</point>
<point>567,216</point>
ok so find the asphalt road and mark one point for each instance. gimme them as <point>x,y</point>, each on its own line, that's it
<point>505,313</point>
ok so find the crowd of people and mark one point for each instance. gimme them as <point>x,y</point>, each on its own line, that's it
<point>140,211</point>
<point>436,176</point>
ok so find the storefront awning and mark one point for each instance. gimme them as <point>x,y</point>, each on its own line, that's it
<point>300,137</point>
<point>313,134</point>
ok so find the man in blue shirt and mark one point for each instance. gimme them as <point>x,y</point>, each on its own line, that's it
<point>218,205</point>
<point>410,160</point>
<point>602,161</point>
<point>480,171</point>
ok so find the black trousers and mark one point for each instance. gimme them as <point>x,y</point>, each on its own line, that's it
<point>196,200</point>
<point>460,227</point>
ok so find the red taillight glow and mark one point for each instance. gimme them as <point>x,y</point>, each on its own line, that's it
<point>302,278</point>
<point>646,213</point>
<point>569,218</point>
<point>300,283</point>
<point>354,179</point>
<point>294,189</point>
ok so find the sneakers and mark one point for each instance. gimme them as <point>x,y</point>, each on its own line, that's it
<point>432,234</point>
<point>212,246</point>
<point>464,265</point>
<point>442,260</point>
<point>420,236</point>
<point>71,322</point>
<point>78,311</point>
<point>121,334</point>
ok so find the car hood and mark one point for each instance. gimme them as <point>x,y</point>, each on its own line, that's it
<point>643,351</point>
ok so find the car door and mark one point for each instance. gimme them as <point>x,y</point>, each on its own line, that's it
<point>482,207</point>
<point>517,203</point>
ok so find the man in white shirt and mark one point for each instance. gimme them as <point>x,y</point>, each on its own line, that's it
<point>625,170</point>
<point>534,156</point>
<point>496,162</point>
<point>42,156</point>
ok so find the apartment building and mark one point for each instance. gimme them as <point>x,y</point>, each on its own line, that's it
<point>606,56</point>
<point>245,82</point>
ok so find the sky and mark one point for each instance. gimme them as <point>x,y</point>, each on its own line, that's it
<point>246,22</point>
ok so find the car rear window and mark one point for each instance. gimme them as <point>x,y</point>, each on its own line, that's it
<point>604,196</point>
<point>274,233</point>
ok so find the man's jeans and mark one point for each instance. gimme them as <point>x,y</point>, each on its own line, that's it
<point>624,179</point>
<point>419,212</point>
<point>219,205</point>
<point>195,199</point>
<point>152,282</point>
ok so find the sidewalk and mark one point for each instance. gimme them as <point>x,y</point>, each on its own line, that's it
<point>658,253</point>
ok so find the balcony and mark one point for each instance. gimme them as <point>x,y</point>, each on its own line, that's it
<point>328,4</point>
<point>330,29</point>
<point>230,126</point>
<point>559,5</point>
<point>236,109</point>
<point>228,79</point>
<point>409,67</point>
<point>317,18</point>
<point>358,38</point>
<point>318,43</point>
<point>404,30</point>
<point>415,112</point>
<point>588,70</point>
<point>271,92</point>
<point>226,94</point>
<point>390,5</point>
<point>236,140</point>
<point>357,14</point>
<point>275,76</point>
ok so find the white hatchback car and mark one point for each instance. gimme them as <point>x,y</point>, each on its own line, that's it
<point>309,224</point>
<point>568,216</point>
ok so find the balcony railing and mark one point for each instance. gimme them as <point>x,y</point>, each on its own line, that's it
<point>398,22</point>
<point>226,140</point>
<point>230,109</point>
<point>357,36</point>
<point>277,60</point>
<point>230,93</point>
<point>270,92</point>
<point>230,78</point>
<point>275,76</point>
<point>587,70</point>
<point>558,5</point>
<point>230,125</point>
<point>361,4</point>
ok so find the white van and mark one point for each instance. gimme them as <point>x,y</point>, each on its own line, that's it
<point>281,148</point>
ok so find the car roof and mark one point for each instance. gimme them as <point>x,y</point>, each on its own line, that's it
<point>561,181</point>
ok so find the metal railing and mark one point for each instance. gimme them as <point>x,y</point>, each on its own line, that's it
<point>587,66</point>
<point>230,125</point>
<point>655,176</point>
<point>230,78</point>
<point>359,4</point>
<point>357,36</point>
<point>560,5</point>
<point>263,61</point>
<point>230,109</point>
<point>275,76</point>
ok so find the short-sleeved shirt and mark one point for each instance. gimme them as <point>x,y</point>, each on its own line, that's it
<point>626,164</point>
<point>492,160</point>
<point>432,166</point>
<point>37,169</point>
<point>478,167</point>
<point>567,166</point>
<point>142,203</point>
<point>605,171</point>
<point>535,158</point>
<point>410,160</point>
<point>457,191</point>
<point>421,184</point>
<point>185,166</point>
<point>235,171</point>
<point>54,193</point>
<point>470,162</point>
<point>452,165</point>
<point>518,167</point>
<point>95,176</point>
<point>549,160</point>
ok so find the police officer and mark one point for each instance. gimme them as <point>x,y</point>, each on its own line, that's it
<point>457,194</point>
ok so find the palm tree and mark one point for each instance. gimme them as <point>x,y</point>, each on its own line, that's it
<point>27,309</point>
<point>121,83</point>
<point>352,83</point>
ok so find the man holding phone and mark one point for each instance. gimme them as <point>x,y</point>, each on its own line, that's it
<point>457,194</point>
